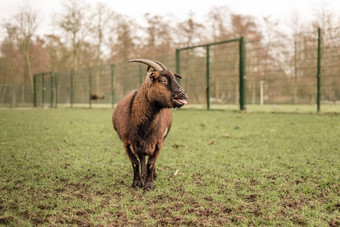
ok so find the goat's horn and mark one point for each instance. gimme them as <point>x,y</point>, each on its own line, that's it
<point>161,64</point>
<point>149,63</point>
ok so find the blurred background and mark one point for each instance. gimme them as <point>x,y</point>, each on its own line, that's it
<point>75,52</point>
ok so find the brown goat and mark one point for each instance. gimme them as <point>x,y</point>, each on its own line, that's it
<point>143,119</point>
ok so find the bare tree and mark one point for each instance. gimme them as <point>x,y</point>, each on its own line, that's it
<point>12,67</point>
<point>219,18</point>
<point>245,26</point>
<point>58,53</point>
<point>190,31</point>
<point>158,33</point>
<point>101,18</point>
<point>22,28</point>
<point>325,18</point>
<point>122,40</point>
<point>74,23</point>
<point>40,58</point>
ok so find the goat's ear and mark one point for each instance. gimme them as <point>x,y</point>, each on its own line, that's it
<point>177,76</point>
<point>154,75</point>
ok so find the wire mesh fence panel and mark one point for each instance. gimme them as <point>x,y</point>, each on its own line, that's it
<point>6,95</point>
<point>282,70</point>
<point>97,86</point>
<point>224,74</point>
<point>16,88</point>
<point>101,88</point>
<point>38,90</point>
<point>330,67</point>
<point>48,89</point>
<point>193,72</point>
<point>63,88</point>
<point>80,88</point>
<point>127,77</point>
<point>44,92</point>
<point>211,74</point>
<point>16,95</point>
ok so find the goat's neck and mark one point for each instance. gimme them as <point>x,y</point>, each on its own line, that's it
<point>142,111</point>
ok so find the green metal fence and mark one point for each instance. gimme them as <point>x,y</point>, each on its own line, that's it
<point>300,71</point>
<point>222,62</point>
<point>276,72</point>
<point>80,88</point>
<point>98,86</point>
<point>330,67</point>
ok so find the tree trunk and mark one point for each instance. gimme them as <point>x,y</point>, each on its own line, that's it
<point>29,71</point>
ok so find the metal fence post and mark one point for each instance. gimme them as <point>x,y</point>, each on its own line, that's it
<point>178,64</point>
<point>56,89</point>
<point>90,88</point>
<point>318,76</point>
<point>178,61</point>
<point>35,90</point>
<point>112,85</point>
<point>208,75</point>
<point>71,87</point>
<point>14,96</point>
<point>243,77</point>
<point>43,89</point>
<point>52,88</point>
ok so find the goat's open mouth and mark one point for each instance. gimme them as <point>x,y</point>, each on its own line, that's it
<point>178,102</point>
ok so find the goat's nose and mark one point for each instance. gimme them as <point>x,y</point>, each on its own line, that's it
<point>183,94</point>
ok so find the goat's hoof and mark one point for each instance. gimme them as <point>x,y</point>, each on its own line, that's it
<point>149,186</point>
<point>137,184</point>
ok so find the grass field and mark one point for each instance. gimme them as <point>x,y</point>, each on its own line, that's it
<point>68,167</point>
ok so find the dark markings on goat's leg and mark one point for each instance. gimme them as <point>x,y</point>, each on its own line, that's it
<point>154,173</point>
<point>142,166</point>
<point>150,170</point>
<point>137,181</point>
<point>149,181</point>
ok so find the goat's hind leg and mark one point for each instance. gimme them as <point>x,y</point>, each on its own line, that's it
<point>137,181</point>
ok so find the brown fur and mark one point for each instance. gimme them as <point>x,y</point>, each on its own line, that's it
<point>143,119</point>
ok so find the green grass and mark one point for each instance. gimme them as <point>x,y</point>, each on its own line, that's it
<point>68,167</point>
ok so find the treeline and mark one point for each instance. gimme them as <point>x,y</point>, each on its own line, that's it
<point>87,35</point>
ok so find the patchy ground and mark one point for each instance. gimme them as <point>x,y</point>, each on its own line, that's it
<point>68,167</point>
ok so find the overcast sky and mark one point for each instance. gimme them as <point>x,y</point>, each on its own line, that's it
<point>280,10</point>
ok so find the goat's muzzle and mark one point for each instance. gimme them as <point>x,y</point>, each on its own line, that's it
<point>179,99</point>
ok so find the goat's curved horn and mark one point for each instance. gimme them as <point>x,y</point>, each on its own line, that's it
<point>149,63</point>
<point>161,64</point>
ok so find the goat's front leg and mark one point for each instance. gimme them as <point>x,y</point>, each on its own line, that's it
<point>150,169</point>
<point>142,166</point>
<point>137,181</point>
